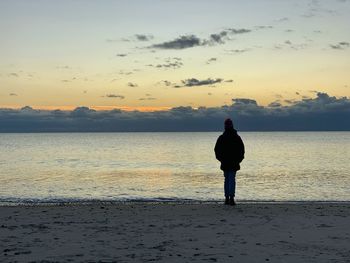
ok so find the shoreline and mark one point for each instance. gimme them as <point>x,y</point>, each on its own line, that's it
<point>155,202</point>
<point>175,232</point>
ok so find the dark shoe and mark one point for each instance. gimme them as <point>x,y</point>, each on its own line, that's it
<point>232,201</point>
<point>227,201</point>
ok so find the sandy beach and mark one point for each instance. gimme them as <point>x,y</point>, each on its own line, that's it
<point>174,232</point>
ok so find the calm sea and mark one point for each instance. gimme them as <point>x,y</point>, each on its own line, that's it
<point>281,166</point>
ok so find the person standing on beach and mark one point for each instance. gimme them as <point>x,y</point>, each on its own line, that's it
<point>229,150</point>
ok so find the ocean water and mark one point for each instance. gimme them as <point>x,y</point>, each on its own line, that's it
<point>279,166</point>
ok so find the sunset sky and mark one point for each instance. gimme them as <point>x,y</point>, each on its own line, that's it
<point>161,54</point>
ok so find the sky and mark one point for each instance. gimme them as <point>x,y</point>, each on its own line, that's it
<point>162,55</point>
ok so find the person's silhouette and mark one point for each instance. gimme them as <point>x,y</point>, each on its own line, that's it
<point>229,150</point>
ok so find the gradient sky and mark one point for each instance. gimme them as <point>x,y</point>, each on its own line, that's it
<point>126,54</point>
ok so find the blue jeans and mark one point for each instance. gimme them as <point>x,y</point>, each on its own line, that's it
<point>230,183</point>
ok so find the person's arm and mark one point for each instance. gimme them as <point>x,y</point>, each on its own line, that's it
<point>241,149</point>
<point>218,149</point>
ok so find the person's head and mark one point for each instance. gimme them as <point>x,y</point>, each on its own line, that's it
<point>228,124</point>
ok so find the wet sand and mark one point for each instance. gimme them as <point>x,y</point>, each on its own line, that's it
<point>174,232</point>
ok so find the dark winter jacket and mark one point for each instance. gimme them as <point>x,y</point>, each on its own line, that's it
<point>229,150</point>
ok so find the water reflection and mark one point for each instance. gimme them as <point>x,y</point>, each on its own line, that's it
<point>278,166</point>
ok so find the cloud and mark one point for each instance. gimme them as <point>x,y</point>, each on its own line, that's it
<point>239,31</point>
<point>13,74</point>
<point>181,42</point>
<point>136,37</point>
<point>190,41</point>
<point>290,45</point>
<point>211,60</point>
<point>111,40</point>
<point>195,82</point>
<point>122,72</point>
<point>121,55</point>
<point>340,45</point>
<point>323,112</point>
<point>142,37</point>
<point>173,63</point>
<point>82,112</point>
<point>315,9</point>
<point>132,85</point>
<point>244,101</point>
<point>115,96</point>
<point>27,109</point>
<point>167,83</point>
<point>13,94</point>
<point>147,98</point>
<point>237,51</point>
<point>63,67</point>
<point>283,19</point>
<point>289,101</point>
<point>264,27</point>
<point>218,38</point>
<point>275,104</point>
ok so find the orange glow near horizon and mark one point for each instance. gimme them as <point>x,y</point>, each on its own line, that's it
<point>98,108</point>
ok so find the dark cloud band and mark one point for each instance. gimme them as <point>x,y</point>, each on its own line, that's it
<point>324,113</point>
